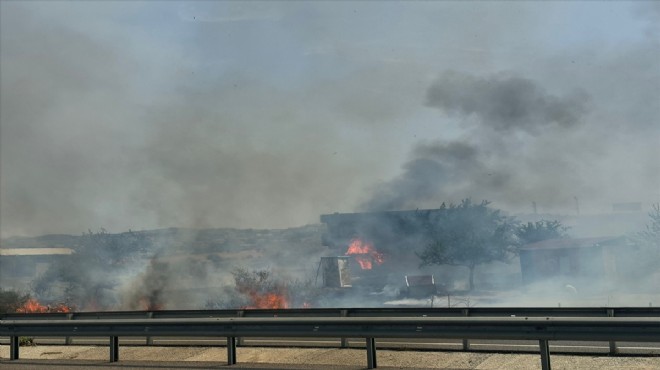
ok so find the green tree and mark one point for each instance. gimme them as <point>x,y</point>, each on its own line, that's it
<point>469,235</point>
<point>533,232</point>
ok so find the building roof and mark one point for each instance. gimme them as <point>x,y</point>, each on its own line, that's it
<point>376,214</point>
<point>570,243</point>
<point>35,251</point>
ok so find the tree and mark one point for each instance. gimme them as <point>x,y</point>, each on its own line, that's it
<point>648,241</point>
<point>533,232</point>
<point>651,235</point>
<point>469,235</point>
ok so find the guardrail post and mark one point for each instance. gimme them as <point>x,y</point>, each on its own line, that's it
<point>240,313</point>
<point>68,340</point>
<point>13,348</point>
<point>466,343</point>
<point>344,341</point>
<point>231,350</point>
<point>545,354</point>
<point>114,349</point>
<point>371,353</point>
<point>150,339</point>
<point>613,349</point>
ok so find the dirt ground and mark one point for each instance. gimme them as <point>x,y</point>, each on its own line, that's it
<point>282,358</point>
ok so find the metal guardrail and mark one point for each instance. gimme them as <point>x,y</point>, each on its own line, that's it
<point>542,329</point>
<point>355,312</point>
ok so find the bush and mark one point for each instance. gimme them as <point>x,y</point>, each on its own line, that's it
<point>25,341</point>
<point>10,300</point>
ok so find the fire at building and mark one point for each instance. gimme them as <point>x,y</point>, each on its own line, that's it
<point>376,251</point>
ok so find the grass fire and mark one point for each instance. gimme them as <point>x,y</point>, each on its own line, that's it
<point>33,306</point>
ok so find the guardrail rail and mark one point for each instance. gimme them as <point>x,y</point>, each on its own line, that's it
<point>276,323</point>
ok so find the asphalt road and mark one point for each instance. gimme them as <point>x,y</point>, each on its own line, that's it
<point>61,357</point>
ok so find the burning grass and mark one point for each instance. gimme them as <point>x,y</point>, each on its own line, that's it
<point>260,289</point>
<point>268,300</point>
<point>33,306</point>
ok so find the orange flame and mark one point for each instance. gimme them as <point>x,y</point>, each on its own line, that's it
<point>61,307</point>
<point>33,306</point>
<point>365,254</point>
<point>268,300</point>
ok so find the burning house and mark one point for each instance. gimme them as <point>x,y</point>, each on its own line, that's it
<point>381,245</point>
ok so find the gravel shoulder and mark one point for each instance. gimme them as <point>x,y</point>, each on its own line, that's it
<point>92,357</point>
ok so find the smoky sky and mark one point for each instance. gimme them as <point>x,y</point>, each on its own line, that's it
<point>588,130</point>
<point>483,166</point>
<point>505,114</point>
<point>434,167</point>
<point>505,103</point>
<point>145,115</point>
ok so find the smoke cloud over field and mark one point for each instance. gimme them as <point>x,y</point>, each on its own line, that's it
<point>203,114</point>
<point>505,103</point>
<point>501,110</point>
<point>522,145</point>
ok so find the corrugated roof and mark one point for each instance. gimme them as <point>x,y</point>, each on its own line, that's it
<point>566,243</point>
<point>35,251</point>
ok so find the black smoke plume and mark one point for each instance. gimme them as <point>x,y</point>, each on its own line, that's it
<point>506,102</point>
<point>490,163</point>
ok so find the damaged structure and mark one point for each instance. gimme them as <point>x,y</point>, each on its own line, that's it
<point>381,247</point>
<point>335,272</point>
<point>574,259</point>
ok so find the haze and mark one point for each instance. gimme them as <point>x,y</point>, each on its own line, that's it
<point>142,115</point>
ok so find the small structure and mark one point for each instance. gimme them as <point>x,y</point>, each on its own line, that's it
<point>391,231</point>
<point>335,272</point>
<point>571,259</point>
<point>394,237</point>
<point>420,286</point>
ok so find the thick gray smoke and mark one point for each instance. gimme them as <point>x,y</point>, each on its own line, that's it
<point>505,102</point>
<point>148,115</point>
<point>226,114</point>
<point>104,126</point>
<point>491,164</point>
<point>434,171</point>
